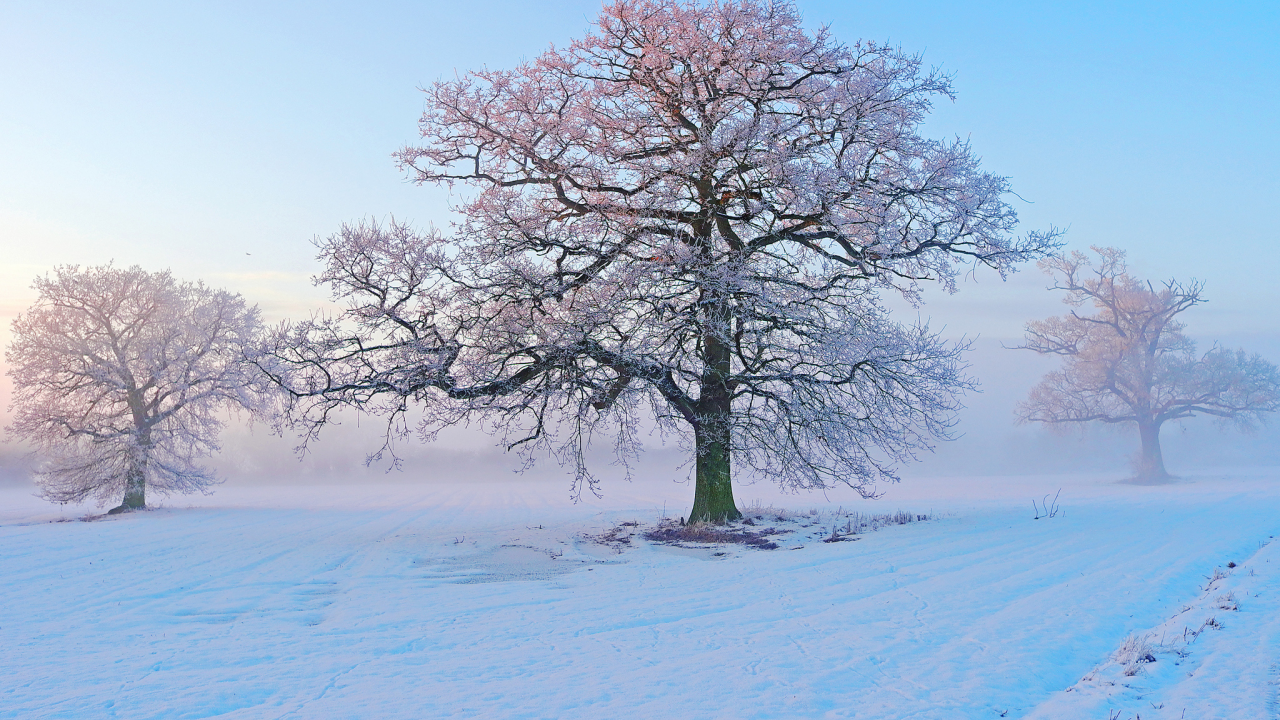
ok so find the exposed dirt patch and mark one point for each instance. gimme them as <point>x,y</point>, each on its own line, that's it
<point>759,528</point>
<point>618,538</point>
<point>675,533</point>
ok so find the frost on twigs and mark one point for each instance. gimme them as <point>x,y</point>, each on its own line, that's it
<point>684,218</point>
<point>763,528</point>
<point>618,537</point>
<point>122,378</point>
<point>1134,652</point>
<point>1218,575</point>
<point>1127,361</point>
<point>841,522</point>
<point>1176,646</point>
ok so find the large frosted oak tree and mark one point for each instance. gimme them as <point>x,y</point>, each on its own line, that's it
<point>121,377</point>
<point>688,215</point>
<point>1127,361</point>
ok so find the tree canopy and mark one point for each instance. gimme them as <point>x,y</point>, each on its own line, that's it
<point>1129,361</point>
<point>120,376</point>
<point>688,214</point>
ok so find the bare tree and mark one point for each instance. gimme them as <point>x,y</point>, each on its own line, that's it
<point>1129,361</point>
<point>120,375</point>
<point>689,212</point>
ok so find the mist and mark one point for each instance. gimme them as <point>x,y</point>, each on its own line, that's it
<point>987,443</point>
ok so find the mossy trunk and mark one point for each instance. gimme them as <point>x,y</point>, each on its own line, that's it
<point>135,482</point>
<point>1151,461</point>
<point>713,486</point>
<point>135,491</point>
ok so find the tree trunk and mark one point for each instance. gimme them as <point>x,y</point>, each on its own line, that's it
<point>135,491</point>
<point>713,486</point>
<point>135,482</point>
<point>1151,462</point>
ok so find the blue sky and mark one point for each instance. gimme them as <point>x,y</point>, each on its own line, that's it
<point>218,138</point>
<point>186,135</point>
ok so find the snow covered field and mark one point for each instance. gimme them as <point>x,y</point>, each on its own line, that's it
<point>490,600</point>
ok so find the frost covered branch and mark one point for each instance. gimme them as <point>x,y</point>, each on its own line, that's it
<point>687,214</point>
<point>119,378</point>
<point>1129,361</point>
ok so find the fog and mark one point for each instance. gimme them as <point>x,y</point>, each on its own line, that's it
<point>987,312</point>
<point>220,144</point>
<point>987,443</point>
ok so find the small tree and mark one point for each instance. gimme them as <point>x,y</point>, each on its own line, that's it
<point>1129,361</point>
<point>688,211</point>
<point>119,376</point>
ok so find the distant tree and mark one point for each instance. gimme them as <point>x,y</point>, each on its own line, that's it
<point>119,378</point>
<point>1129,361</point>
<point>689,211</point>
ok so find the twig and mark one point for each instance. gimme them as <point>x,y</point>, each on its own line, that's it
<point>1050,509</point>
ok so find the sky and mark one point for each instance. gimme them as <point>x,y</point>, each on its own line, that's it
<point>218,139</point>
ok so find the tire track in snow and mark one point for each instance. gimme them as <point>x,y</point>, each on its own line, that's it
<point>966,618</point>
<point>1206,660</point>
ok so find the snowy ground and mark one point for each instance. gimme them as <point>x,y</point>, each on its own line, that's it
<point>492,601</point>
